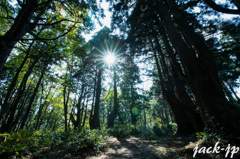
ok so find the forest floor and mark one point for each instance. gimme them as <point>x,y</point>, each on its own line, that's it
<point>172,147</point>
<point>137,148</point>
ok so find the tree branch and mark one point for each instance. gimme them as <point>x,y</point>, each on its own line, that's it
<point>37,38</point>
<point>218,8</point>
<point>20,3</point>
<point>57,22</point>
<point>8,17</point>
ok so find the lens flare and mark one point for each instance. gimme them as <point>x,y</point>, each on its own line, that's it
<point>109,58</point>
<point>135,111</point>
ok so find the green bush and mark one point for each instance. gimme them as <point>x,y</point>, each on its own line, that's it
<point>23,140</point>
<point>121,131</point>
<point>173,128</point>
<point>146,133</point>
<point>163,130</point>
<point>126,131</point>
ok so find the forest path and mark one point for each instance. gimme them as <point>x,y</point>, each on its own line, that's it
<point>136,148</point>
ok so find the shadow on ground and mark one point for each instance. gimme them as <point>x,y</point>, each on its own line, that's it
<point>136,148</point>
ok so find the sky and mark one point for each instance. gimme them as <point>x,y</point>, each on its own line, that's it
<point>105,22</point>
<point>147,81</point>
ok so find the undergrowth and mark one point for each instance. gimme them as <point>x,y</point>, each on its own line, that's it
<point>126,131</point>
<point>29,142</point>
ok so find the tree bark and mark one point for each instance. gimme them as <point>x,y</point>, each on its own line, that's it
<point>234,93</point>
<point>13,83</point>
<point>113,114</point>
<point>133,116</point>
<point>65,104</point>
<point>31,100</point>
<point>200,68</point>
<point>185,126</point>
<point>91,112</point>
<point>96,120</point>
<point>15,103</point>
<point>20,110</point>
<point>5,106</point>
<point>78,121</point>
<point>37,127</point>
<point>17,31</point>
<point>85,115</point>
<point>218,8</point>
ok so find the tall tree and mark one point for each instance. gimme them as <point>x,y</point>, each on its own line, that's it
<point>129,92</point>
<point>196,59</point>
<point>32,14</point>
<point>114,112</point>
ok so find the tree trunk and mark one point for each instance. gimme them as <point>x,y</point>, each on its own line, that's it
<point>200,68</point>
<point>31,100</point>
<point>20,110</point>
<point>234,93</point>
<point>19,94</point>
<point>21,89</point>
<point>82,110</point>
<point>91,112</point>
<point>113,114</point>
<point>49,117</point>
<point>65,104</point>
<point>145,118</point>
<point>19,28</point>
<point>13,83</point>
<point>85,115</point>
<point>41,109</point>
<point>133,116</point>
<point>78,122</point>
<point>96,120</point>
<point>185,126</point>
<point>228,93</point>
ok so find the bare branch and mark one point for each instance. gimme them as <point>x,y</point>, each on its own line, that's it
<point>218,8</point>
<point>19,3</point>
<point>57,22</point>
<point>37,38</point>
<point>8,17</point>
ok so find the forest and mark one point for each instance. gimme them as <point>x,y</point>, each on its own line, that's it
<point>161,82</point>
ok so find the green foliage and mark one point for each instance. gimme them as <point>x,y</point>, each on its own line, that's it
<point>210,136</point>
<point>145,133</point>
<point>15,142</point>
<point>163,130</point>
<point>126,131</point>
<point>200,135</point>
<point>23,140</point>
<point>121,131</point>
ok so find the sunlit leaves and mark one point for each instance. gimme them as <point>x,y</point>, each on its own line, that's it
<point>17,142</point>
<point>6,16</point>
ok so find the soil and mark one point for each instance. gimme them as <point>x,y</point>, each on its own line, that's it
<point>137,148</point>
<point>172,147</point>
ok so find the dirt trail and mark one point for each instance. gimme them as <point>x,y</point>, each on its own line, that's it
<point>136,148</point>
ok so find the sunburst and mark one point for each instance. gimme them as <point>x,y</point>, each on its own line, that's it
<point>109,55</point>
<point>109,59</point>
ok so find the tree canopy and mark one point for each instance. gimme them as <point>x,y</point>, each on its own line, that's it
<point>53,81</point>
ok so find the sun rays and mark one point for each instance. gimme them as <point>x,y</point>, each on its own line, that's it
<point>109,54</point>
<point>109,59</point>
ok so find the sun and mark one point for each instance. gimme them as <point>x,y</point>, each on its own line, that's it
<point>109,59</point>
